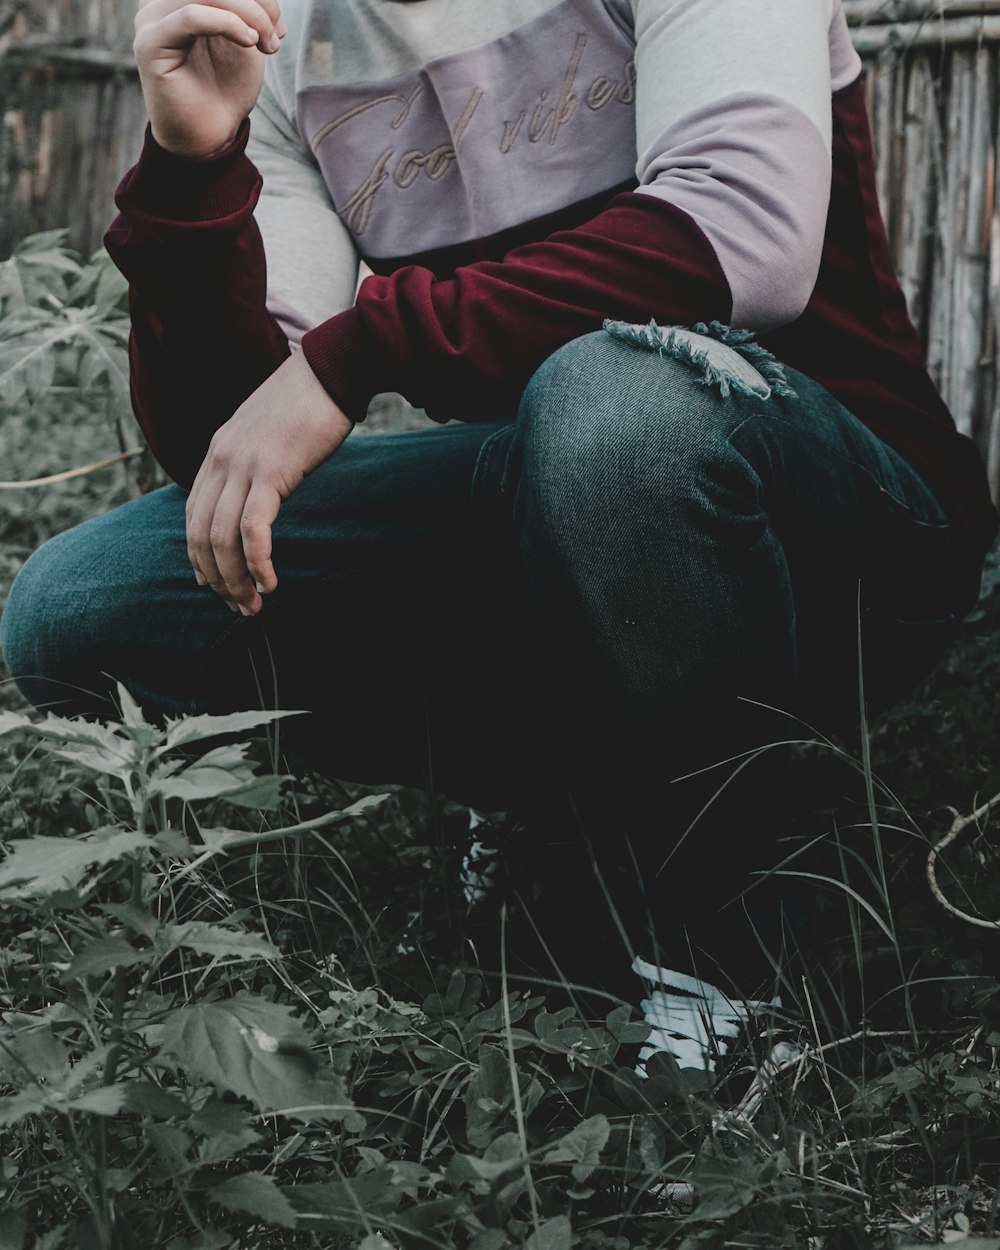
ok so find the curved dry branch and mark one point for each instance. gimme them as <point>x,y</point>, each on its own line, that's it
<point>70,473</point>
<point>958,826</point>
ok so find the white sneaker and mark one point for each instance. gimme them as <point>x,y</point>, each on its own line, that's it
<point>691,1019</point>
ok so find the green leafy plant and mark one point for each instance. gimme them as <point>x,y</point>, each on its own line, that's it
<point>62,323</point>
<point>138,1053</point>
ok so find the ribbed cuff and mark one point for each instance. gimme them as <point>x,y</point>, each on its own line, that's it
<point>347,360</point>
<point>215,191</point>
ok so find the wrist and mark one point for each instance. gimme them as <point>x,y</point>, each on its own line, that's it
<point>182,151</point>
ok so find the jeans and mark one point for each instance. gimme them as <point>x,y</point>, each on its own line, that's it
<point>656,566</point>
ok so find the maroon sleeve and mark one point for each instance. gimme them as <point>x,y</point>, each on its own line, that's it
<point>465,347</point>
<point>202,339</point>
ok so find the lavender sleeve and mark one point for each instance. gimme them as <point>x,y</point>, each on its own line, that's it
<point>733,123</point>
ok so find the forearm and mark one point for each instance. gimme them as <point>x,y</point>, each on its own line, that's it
<point>465,347</point>
<point>202,339</point>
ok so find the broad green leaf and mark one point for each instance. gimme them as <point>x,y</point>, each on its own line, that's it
<point>32,1051</point>
<point>216,773</point>
<point>105,1100</point>
<point>261,794</point>
<point>37,867</point>
<point>555,1234</point>
<point>94,759</point>
<point>256,1050</point>
<point>209,939</point>
<point>65,730</point>
<point>490,1239</point>
<point>623,1029</point>
<point>27,361</point>
<point>725,1185</point>
<point>29,1102</point>
<point>148,1098</point>
<point>134,918</point>
<point>102,956</point>
<point>582,1146</point>
<point>255,1194</point>
<point>350,1205</point>
<point>198,728</point>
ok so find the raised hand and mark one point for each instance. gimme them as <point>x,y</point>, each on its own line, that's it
<point>201,67</point>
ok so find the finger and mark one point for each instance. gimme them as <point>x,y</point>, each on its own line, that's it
<point>227,547</point>
<point>243,22</point>
<point>200,514</point>
<point>259,513</point>
<point>156,10</point>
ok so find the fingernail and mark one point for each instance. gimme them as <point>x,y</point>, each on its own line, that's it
<point>260,589</point>
<point>245,610</point>
<point>281,28</point>
<point>202,581</point>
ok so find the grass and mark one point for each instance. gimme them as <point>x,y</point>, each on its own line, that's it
<point>165,1012</point>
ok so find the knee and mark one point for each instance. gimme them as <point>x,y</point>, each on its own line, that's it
<point>616,421</point>
<point>32,621</point>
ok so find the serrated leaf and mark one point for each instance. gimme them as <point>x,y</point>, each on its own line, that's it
<point>216,773</point>
<point>261,794</point>
<point>198,728</point>
<point>103,955</point>
<point>209,939</point>
<point>582,1146</point>
<point>37,867</point>
<point>148,1098</point>
<point>554,1234</point>
<point>255,1194</point>
<point>256,1050</point>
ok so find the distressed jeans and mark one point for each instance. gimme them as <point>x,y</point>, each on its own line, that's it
<point>658,565</point>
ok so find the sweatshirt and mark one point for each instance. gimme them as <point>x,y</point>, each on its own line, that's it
<point>514,173</point>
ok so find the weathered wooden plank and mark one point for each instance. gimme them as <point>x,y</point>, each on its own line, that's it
<point>864,11</point>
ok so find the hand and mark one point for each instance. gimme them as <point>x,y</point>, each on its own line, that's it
<point>287,427</point>
<point>201,67</point>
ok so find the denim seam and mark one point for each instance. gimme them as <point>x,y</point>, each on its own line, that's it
<point>484,462</point>
<point>945,523</point>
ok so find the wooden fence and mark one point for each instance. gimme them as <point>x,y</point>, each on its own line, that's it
<point>72,120</point>
<point>72,115</point>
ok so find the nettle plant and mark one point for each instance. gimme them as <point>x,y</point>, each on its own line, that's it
<point>165,1081</point>
<point>136,1058</point>
<point>169,1077</point>
<point>62,323</point>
